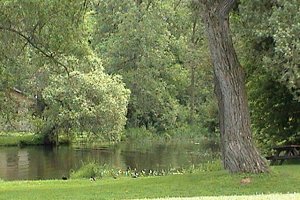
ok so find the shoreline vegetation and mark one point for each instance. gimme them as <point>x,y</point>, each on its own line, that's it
<point>19,139</point>
<point>141,135</point>
<point>216,184</point>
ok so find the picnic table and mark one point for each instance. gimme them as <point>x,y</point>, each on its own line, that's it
<point>282,153</point>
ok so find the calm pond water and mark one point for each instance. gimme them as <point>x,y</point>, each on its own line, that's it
<point>31,163</point>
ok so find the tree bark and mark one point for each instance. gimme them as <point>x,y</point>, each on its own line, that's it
<point>238,152</point>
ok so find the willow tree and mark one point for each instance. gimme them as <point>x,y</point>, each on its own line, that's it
<point>238,152</point>
<point>46,50</point>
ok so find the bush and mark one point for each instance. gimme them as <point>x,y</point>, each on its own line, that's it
<point>189,133</point>
<point>86,171</point>
<point>186,133</point>
<point>92,169</point>
<point>214,165</point>
<point>139,133</point>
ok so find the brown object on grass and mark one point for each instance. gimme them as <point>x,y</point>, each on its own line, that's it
<point>245,181</point>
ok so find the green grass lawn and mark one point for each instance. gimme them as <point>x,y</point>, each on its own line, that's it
<point>294,196</point>
<point>282,179</point>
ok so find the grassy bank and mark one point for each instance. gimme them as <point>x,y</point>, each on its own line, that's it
<point>282,179</point>
<point>187,134</point>
<point>19,139</point>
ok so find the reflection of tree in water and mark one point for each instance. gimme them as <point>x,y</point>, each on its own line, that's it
<point>3,164</point>
<point>54,162</point>
<point>23,163</point>
<point>50,162</point>
<point>14,163</point>
<point>159,157</point>
<point>138,160</point>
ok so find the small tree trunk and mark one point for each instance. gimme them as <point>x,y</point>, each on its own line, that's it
<point>192,95</point>
<point>238,152</point>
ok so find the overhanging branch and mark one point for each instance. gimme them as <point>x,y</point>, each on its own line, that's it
<point>42,51</point>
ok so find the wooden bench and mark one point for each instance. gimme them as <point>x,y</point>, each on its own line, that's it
<point>282,153</point>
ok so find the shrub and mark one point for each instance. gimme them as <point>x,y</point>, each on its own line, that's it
<point>92,169</point>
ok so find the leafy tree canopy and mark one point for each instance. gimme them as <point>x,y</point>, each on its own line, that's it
<point>45,52</point>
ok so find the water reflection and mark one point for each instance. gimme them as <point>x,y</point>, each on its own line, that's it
<point>53,163</point>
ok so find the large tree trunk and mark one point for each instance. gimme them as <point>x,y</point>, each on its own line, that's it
<point>238,152</point>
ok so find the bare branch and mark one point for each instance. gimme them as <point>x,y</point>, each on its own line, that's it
<point>193,39</point>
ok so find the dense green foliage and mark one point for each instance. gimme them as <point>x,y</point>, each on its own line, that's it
<point>151,44</point>
<point>155,50</point>
<point>283,179</point>
<point>77,59</point>
<point>88,107</point>
<point>46,53</point>
<point>268,44</point>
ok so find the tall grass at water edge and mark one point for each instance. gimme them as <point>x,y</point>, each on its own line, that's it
<point>19,139</point>
<point>181,134</point>
<point>96,170</point>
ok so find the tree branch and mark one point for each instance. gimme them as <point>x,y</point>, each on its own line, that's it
<point>225,7</point>
<point>43,52</point>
